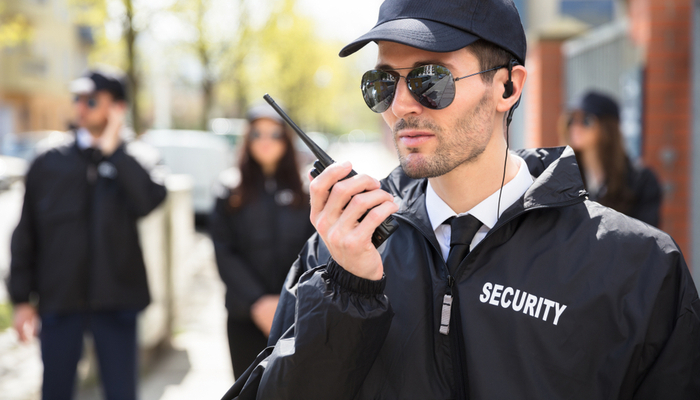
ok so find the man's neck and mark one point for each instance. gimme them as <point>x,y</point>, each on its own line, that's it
<point>470,183</point>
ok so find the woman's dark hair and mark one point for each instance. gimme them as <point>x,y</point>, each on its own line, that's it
<point>616,164</point>
<point>253,180</point>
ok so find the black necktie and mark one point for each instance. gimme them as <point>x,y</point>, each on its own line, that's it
<point>463,230</point>
<point>93,156</point>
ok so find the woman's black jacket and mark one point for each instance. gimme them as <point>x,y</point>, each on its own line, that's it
<point>563,299</point>
<point>256,243</point>
<point>76,247</point>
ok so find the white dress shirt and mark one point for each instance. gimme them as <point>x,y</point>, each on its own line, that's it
<point>84,139</point>
<point>439,211</point>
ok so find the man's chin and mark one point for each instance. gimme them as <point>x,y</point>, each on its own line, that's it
<point>417,169</point>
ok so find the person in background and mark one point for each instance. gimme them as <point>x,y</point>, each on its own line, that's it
<point>592,129</point>
<point>258,227</point>
<point>77,265</point>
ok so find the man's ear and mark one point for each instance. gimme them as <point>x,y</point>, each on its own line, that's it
<point>511,86</point>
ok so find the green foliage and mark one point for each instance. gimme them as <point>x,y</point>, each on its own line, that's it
<point>297,67</point>
<point>282,55</point>
<point>14,28</point>
<point>5,316</point>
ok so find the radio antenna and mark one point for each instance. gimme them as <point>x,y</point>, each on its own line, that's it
<point>324,158</point>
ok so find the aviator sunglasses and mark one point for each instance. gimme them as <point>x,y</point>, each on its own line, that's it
<point>433,86</point>
<point>586,121</point>
<point>90,101</point>
<point>275,135</point>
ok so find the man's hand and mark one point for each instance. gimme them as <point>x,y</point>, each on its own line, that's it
<point>262,312</point>
<point>26,321</point>
<point>335,215</point>
<point>110,139</point>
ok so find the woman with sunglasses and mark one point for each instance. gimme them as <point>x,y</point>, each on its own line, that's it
<point>258,227</point>
<point>592,129</point>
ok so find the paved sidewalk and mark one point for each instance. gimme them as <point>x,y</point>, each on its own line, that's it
<point>197,366</point>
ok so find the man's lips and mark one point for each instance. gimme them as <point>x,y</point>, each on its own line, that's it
<point>414,138</point>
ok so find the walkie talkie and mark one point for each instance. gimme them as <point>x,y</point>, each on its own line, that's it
<point>387,227</point>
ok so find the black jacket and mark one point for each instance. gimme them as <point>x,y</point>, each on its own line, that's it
<point>644,203</point>
<point>76,246</point>
<point>563,299</point>
<point>256,244</point>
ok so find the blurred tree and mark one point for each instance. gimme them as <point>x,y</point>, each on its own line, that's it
<point>14,28</point>
<point>304,71</point>
<point>216,49</point>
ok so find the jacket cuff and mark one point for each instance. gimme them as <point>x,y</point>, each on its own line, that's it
<point>354,283</point>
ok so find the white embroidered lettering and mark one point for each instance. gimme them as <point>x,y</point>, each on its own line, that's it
<point>506,303</point>
<point>558,312</point>
<point>516,306</point>
<point>496,294</point>
<point>520,301</point>
<point>530,305</point>
<point>547,305</point>
<point>485,296</point>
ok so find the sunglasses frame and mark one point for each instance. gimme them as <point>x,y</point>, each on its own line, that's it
<point>90,101</point>
<point>587,121</point>
<point>255,135</point>
<point>397,77</point>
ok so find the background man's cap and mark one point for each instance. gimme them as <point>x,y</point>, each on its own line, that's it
<point>95,81</point>
<point>596,103</point>
<point>447,25</point>
<point>264,110</point>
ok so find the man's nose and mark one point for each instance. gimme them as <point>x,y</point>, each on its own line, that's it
<point>404,103</point>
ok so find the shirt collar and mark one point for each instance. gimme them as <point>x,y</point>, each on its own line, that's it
<point>439,211</point>
<point>84,139</point>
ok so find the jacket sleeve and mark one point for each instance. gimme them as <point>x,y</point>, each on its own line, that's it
<point>142,192</point>
<point>235,272</point>
<point>340,324</point>
<point>21,281</point>
<point>672,348</point>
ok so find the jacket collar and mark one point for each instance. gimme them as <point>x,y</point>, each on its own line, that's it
<point>557,182</point>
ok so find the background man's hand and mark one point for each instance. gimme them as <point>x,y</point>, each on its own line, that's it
<point>335,215</point>
<point>110,138</point>
<point>25,321</point>
<point>262,312</point>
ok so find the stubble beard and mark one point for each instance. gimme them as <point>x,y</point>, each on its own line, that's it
<point>462,146</point>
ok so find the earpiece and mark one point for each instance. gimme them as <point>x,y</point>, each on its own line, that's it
<point>509,85</point>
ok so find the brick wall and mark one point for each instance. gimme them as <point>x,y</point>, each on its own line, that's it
<point>667,107</point>
<point>545,93</point>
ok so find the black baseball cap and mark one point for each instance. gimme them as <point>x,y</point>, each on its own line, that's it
<point>596,103</point>
<point>96,80</point>
<point>447,25</point>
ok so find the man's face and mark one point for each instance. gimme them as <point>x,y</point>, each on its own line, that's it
<point>431,143</point>
<point>92,110</point>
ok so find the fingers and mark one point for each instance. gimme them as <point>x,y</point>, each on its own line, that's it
<point>327,207</point>
<point>319,188</point>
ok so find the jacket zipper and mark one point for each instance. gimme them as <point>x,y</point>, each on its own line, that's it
<point>450,304</point>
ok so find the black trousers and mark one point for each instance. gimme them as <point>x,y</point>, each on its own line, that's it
<point>245,341</point>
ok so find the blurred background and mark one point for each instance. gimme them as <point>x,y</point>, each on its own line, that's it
<point>196,65</point>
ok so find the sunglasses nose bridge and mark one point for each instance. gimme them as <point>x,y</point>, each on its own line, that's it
<point>405,101</point>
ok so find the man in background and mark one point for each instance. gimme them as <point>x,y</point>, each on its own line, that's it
<point>76,262</point>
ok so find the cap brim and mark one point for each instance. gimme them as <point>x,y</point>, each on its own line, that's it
<point>419,33</point>
<point>82,86</point>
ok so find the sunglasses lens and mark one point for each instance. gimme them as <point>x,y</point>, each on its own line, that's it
<point>432,85</point>
<point>276,135</point>
<point>378,89</point>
